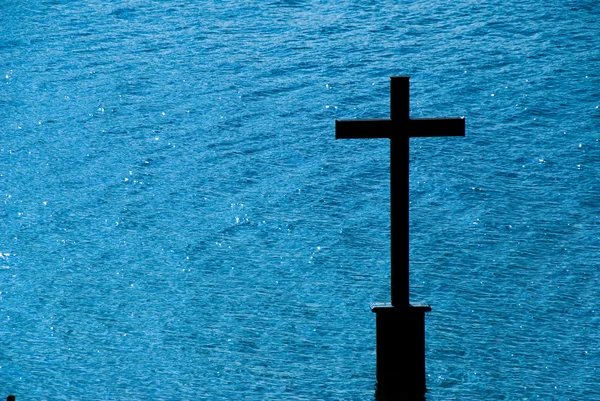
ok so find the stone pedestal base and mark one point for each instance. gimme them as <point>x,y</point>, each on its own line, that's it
<point>401,348</point>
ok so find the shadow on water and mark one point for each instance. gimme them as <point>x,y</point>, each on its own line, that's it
<point>396,394</point>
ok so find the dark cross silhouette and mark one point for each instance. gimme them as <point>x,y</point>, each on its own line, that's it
<point>399,128</point>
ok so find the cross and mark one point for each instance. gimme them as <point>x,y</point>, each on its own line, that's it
<point>399,128</point>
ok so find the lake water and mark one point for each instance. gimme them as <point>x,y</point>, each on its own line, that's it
<point>178,222</point>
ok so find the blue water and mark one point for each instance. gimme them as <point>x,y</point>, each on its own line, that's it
<point>178,222</point>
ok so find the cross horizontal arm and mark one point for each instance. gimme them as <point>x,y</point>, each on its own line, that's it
<point>350,129</point>
<point>386,128</point>
<point>427,127</point>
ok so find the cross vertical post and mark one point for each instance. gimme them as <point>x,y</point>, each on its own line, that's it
<point>400,325</point>
<point>399,181</point>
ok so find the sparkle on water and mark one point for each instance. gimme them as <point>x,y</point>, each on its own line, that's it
<point>179,223</point>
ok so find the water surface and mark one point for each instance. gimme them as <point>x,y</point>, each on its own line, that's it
<point>179,223</point>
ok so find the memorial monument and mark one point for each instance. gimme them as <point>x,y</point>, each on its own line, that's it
<point>400,326</point>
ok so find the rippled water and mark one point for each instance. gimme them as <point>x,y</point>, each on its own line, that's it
<point>179,223</point>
